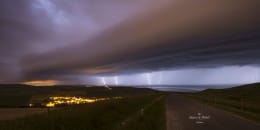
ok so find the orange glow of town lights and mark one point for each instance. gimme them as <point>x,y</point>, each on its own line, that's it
<point>41,83</point>
<point>54,101</point>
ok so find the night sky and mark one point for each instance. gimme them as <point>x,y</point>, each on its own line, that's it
<point>143,42</point>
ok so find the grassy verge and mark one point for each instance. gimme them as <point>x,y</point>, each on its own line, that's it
<point>150,117</point>
<point>104,115</point>
<point>243,100</point>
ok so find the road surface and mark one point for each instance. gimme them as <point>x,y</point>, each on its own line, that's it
<point>186,114</point>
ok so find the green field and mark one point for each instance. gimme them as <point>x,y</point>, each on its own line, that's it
<point>242,100</point>
<point>140,109</point>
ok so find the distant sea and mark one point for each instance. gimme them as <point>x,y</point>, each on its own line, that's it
<point>189,88</point>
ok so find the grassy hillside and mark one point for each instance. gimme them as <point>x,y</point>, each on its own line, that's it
<point>22,95</point>
<point>141,112</point>
<point>139,108</point>
<point>242,100</point>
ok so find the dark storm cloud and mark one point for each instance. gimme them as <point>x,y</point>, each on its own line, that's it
<point>19,30</point>
<point>181,34</point>
<point>33,27</point>
<point>44,39</point>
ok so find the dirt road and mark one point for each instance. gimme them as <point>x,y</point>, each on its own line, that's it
<point>187,114</point>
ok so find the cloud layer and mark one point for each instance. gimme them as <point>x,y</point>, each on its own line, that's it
<point>45,39</point>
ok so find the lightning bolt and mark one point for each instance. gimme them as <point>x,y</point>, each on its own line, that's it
<point>148,78</point>
<point>105,84</point>
<point>160,78</point>
<point>116,80</point>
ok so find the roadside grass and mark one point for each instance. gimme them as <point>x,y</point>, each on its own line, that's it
<point>242,100</point>
<point>103,115</point>
<point>151,117</point>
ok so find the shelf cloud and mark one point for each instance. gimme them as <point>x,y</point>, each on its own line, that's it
<point>54,39</point>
